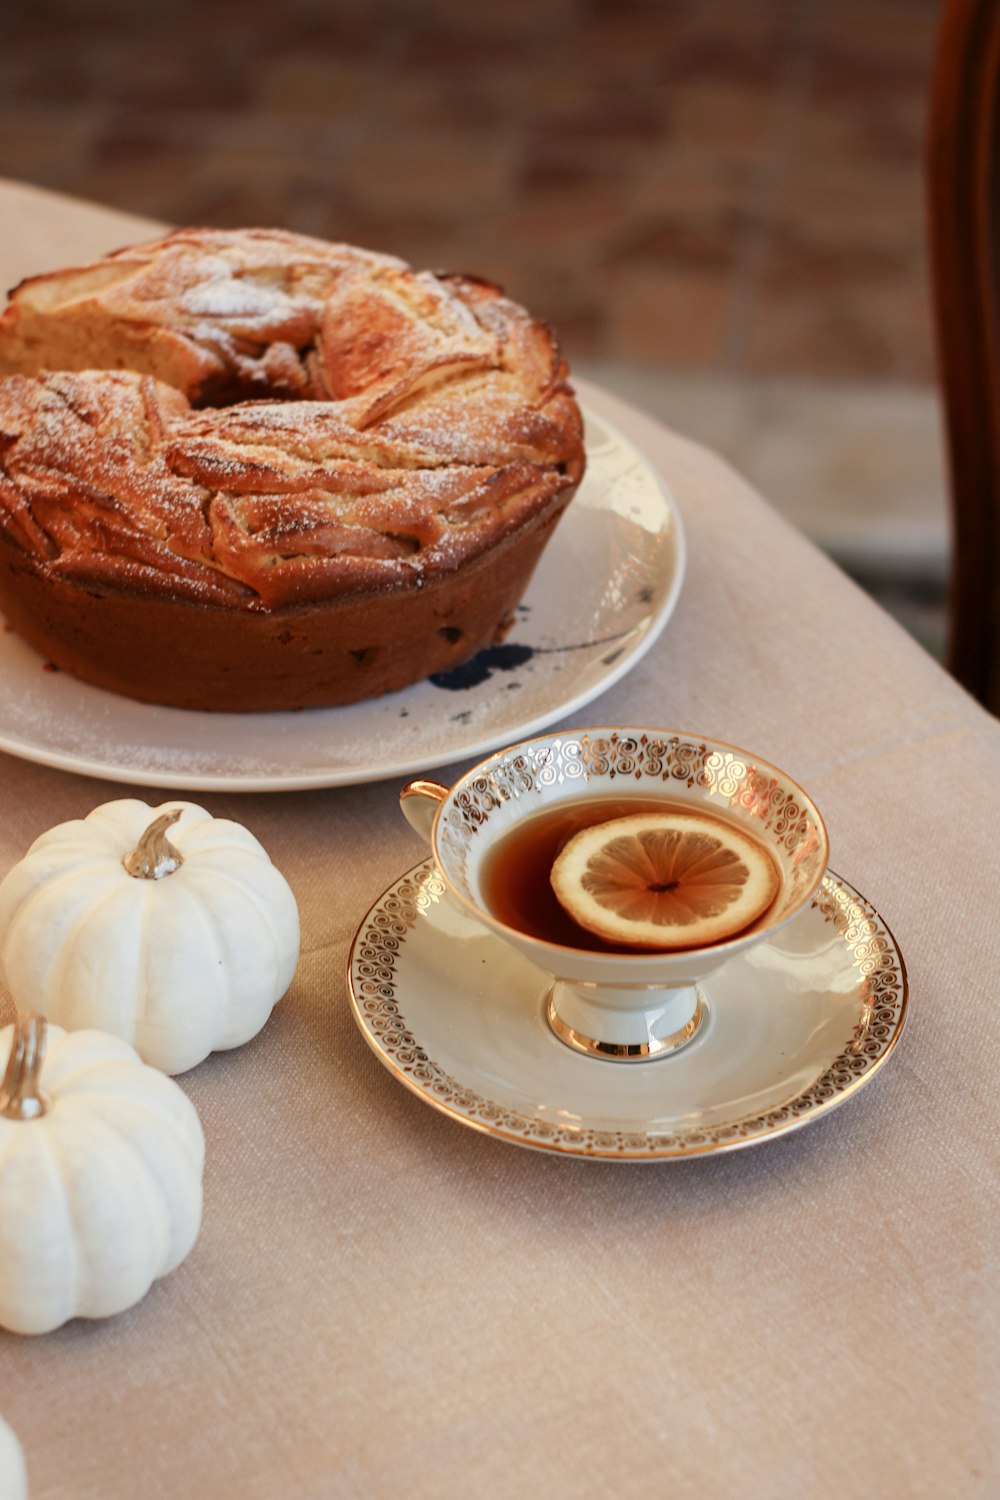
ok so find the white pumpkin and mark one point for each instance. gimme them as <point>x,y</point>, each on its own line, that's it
<point>13,1474</point>
<point>180,946</point>
<point>101,1162</point>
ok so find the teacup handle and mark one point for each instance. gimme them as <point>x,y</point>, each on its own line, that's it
<point>420,801</point>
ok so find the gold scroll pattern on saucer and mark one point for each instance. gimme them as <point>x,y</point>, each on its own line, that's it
<point>882,989</point>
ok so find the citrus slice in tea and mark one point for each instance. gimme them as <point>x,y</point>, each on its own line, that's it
<point>664,880</point>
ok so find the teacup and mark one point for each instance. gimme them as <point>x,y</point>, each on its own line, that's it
<point>623,1006</point>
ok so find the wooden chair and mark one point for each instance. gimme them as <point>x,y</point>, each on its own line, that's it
<point>964,207</point>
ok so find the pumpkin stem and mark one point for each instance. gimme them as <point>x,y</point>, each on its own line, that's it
<point>154,855</point>
<point>21,1096</point>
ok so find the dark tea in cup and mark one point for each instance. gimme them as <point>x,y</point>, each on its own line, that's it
<point>516,877</point>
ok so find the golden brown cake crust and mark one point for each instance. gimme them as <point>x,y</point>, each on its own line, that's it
<point>421,423</point>
<point>338,651</point>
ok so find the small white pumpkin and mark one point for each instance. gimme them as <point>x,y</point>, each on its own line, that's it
<point>13,1474</point>
<point>181,946</point>
<point>101,1162</point>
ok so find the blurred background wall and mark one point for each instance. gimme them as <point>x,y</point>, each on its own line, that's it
<point>717,203</point>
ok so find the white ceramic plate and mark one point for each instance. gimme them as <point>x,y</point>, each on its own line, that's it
<point>796,1025</point>
<point>604,589</point>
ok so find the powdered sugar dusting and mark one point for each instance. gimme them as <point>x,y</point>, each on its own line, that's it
<point>435,419</point>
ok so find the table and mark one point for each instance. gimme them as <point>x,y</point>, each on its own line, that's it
<point>382,1303</point>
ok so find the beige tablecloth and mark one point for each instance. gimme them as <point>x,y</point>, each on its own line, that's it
<point>382,1303</point>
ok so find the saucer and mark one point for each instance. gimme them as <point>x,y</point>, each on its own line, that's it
<point>796,1025</point>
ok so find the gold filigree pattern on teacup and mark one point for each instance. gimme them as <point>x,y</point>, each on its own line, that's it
<point>670,763</point>
<point>882,985</point>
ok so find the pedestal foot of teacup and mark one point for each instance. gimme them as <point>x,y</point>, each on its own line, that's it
<point>590,1025</point>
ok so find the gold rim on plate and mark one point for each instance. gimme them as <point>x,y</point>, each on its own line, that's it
<point>869,951</point>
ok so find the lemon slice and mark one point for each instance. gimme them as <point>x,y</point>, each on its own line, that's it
<point>664,880</point>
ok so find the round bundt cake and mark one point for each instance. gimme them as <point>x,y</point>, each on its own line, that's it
<point>249,470</point>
